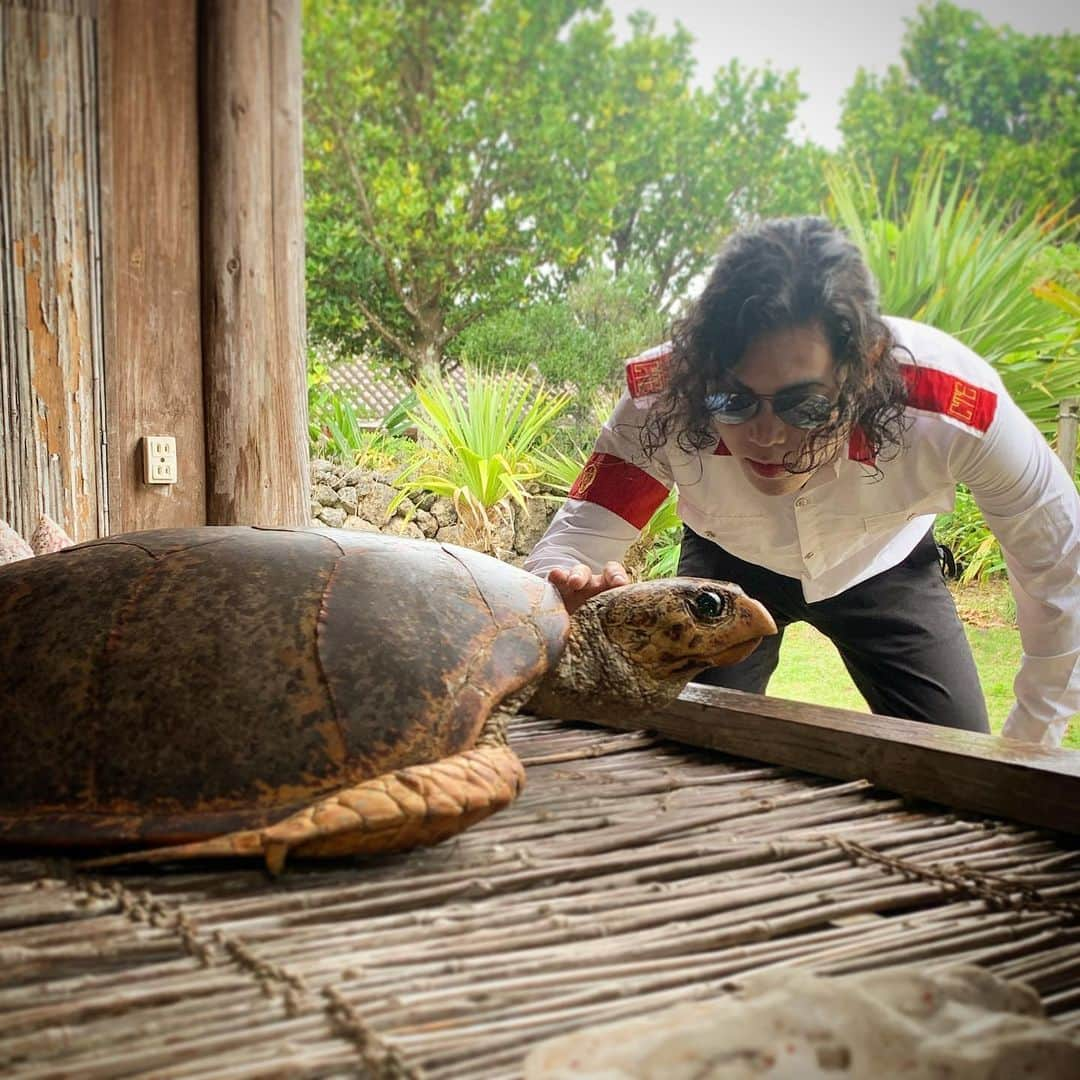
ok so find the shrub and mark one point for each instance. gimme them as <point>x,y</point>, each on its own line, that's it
<point>973,265</point>
<point>968,537</point>
<point>338,431</point>
<point>988,273</point>
<point>481,447</point>
<point>581,339</point>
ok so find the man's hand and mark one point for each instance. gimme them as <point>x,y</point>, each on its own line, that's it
<point>579,583</point>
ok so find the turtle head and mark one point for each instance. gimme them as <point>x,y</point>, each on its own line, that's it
<point>675,628</point>
<point>642,643</point>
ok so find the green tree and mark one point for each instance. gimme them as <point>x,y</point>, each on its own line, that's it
<point>686,163</point>
<point>432,138</point>
<point>581,337</point>
<point>1003,107</point>
<point>470,156</point>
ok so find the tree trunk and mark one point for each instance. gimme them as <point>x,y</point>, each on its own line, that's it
<point>427,358</point>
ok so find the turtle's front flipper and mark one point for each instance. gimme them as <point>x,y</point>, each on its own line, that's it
<point>410,807</point>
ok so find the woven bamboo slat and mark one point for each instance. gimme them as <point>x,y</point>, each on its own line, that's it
<point>632,874</point>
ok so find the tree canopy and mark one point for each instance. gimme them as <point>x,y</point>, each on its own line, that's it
<point>463,157</point>
<point>1001,106</point>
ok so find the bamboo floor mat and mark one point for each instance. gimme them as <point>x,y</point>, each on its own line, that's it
<point>631,875</point>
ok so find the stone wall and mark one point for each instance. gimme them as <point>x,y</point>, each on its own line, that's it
<point>356,497</point>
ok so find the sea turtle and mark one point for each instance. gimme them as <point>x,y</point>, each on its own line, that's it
<point>224,691</point>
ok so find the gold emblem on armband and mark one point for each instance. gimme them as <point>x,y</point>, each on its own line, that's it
<point>584,481</point>
<point>963,401</point>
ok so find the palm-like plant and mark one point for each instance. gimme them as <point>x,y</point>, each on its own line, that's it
<point>663,535</point>
<point>482,445</point>
<point>966,262</point>
<point>338,430</point>
<point>656,550</point>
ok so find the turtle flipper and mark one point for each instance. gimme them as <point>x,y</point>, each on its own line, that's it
<point>410,807</point>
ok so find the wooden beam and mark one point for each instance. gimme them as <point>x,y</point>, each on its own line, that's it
<point>961,769</point>
<point>252,263</point>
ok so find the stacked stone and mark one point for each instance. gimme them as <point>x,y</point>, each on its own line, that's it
<point>354,497</point>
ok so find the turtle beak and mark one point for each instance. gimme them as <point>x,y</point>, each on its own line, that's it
<point>752,623</point>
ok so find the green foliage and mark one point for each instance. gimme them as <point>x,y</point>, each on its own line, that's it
<point>968,263</point>
<point>481,446</point>
<point>683,164</point>
<point>967,536</point>
<point>433,138</point>
<point>581,339</point>
<point>463,157</point>
<point>559,468</point>
<point>663,539</point>
<point>1000,106</point>
<point>335,426</point>
<point>975,267</point>
<point>338,431</point>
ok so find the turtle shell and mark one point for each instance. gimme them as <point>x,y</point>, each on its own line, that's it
<point>167,685</point>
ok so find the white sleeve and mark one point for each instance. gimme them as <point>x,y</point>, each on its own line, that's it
<point>610,502</point>
<point>1031,505</point>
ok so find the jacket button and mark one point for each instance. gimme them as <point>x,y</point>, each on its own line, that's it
<point>808,556</point>
<point>800,503</point>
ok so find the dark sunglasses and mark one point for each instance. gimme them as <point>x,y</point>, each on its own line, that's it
<point>796,407</point>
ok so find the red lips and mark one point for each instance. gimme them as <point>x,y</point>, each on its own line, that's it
<point>767,469</point>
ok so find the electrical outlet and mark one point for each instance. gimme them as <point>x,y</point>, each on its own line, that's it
<point>159,459</point>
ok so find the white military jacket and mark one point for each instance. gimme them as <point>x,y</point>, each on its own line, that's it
<point>847,524</point>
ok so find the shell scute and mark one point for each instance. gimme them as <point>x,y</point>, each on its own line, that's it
<point>412,649</point>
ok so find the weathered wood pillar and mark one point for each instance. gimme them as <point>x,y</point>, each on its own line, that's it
<point>254,372</point>
<point>51,352</point>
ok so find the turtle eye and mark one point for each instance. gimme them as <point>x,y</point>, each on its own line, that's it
<point>708,606</point>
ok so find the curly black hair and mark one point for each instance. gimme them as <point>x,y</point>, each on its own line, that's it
<point>782,274</point>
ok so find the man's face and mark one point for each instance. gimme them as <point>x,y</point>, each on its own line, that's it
<point>795,360</point>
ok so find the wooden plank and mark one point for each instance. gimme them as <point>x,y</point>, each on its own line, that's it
<point>150,184</point>
<point>51,453</point>
<point>254,364</point>
<point>962,769</point>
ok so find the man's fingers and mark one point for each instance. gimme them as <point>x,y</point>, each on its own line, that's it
<point>614,575</point>
<point>558,575</point>
<point>578,583</point>
<point>580,577</point>
<point>570,580</point>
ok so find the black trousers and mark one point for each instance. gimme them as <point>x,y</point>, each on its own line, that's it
<point>898,634</point>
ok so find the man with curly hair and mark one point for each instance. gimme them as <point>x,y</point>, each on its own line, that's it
<point>813,441</point>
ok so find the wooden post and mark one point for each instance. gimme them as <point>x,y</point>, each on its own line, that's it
<point>150,263</point>
<point>52,452</point>
<point>255,387</point>
<point>1068,421</point>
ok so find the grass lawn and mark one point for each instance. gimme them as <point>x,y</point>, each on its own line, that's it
<point>811,669</point>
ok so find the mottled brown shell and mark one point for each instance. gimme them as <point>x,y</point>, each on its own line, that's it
<point>204,679</point>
